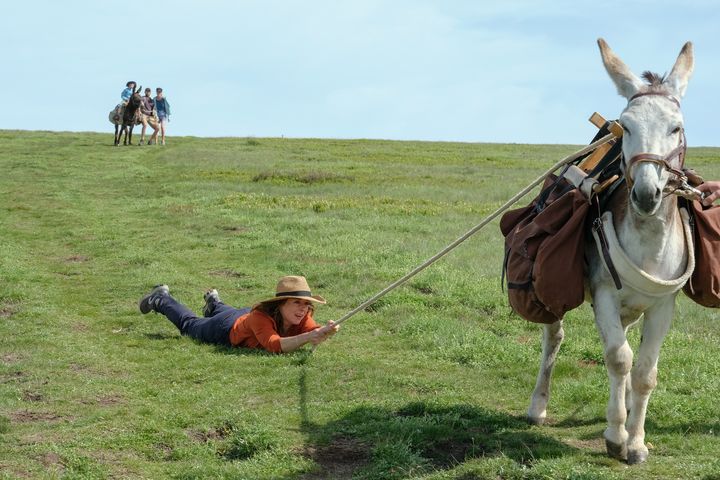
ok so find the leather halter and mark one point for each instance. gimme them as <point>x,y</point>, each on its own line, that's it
<point>660,94</point>
<point>662,160</point>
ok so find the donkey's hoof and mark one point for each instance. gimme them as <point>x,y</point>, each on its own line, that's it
<point>637,456</point>
<point>616,451</point>
<point>535,420</point>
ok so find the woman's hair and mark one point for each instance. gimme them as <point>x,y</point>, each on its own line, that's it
<point>272,309</point>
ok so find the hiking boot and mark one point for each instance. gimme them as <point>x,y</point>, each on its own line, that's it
<point>211,297</point>
<point>149,302</point>
<point>142,142</point>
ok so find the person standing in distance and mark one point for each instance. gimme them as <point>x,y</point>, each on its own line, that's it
<point>162,107</point>
<point>147,108</point>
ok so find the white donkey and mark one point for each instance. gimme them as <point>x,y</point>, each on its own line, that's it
<point>650,244</point>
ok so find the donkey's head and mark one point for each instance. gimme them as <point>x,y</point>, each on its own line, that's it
<point>136,98</point>
<point>654,139</point>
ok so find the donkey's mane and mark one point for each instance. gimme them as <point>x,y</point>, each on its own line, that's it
<point>655,81</point>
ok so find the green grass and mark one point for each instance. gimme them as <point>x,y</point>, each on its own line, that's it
<point>431,382</point>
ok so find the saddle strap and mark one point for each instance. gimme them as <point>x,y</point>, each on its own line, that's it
<point>601,238</point>
<point>634,276</point>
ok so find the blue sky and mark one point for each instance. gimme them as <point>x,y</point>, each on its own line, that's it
<point>473,71</point>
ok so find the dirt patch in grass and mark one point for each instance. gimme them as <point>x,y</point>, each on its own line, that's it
<point>448,453</point>
<point>32,396</point>
<point>12,377</point>
<point>104,400</point>
<point>12,472</point>
<point>26,416</point>
<point>80,327</point>
<point>51,461</point>
<point>10,358</point>
<point>213,434</point>
<point>166,451</point>
<point>67,274</point>
<point>7,310</point>
<point>109,400</point>
<point>424,289</point>
<point>237,229</point>
<point>80,368</point>
<point>227,272</point>
<point>77,259</point>
<point>340,459</point>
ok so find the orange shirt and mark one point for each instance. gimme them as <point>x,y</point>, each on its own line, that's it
<point>257,330</point>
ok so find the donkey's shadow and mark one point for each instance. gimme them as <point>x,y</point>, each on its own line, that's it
<point>419,435</point>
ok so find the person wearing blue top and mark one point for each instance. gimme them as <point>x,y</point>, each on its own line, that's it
<point>127,93</point>
<point>124,98</point>
<point>162,107</point>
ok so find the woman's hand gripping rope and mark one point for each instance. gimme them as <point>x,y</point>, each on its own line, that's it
<point>321,334</point>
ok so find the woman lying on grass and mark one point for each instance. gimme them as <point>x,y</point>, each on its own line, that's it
<point>283,323</point>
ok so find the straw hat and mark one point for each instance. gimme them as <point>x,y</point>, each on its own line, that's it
<point>293,287</point>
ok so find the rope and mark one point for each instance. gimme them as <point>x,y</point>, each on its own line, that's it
<point>476,228</point>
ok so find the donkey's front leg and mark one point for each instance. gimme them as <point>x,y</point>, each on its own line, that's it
<point>618,362</point>
<point>644,375</point>
<point>552,338</point>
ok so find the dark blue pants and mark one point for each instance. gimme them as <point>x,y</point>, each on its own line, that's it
<point>214,329</point>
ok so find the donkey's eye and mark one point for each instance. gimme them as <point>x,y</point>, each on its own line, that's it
<point>625,129</point>
<point>675,130</point>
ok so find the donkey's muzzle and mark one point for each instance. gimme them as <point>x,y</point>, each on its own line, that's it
<point>646,198</point>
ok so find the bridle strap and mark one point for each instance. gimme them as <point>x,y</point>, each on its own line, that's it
<point>661,160</point>
<point>660,94</point>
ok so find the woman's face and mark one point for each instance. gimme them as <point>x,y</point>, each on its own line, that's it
<point>294,310</point>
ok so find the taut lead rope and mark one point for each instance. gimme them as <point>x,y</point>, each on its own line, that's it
<point>477,227</point>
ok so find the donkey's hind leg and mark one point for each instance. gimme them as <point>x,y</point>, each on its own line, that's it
<point>552,338</point>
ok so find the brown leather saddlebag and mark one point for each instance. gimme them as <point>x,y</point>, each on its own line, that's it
<point>704,284</point>
<point>544,253</point>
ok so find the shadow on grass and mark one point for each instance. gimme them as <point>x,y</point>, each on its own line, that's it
<point>374,442</point>
<point>159,336</point>
<point>297,358</point>
<point>574,421</point>
<point>238,351</point>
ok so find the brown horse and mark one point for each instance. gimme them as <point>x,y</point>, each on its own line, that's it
<point>125,118</point>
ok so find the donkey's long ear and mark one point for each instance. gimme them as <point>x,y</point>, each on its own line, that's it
<point>627,83</point>
<point>680,75</point>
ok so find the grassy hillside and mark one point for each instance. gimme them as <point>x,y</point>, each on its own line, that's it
<point>431,382</point>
